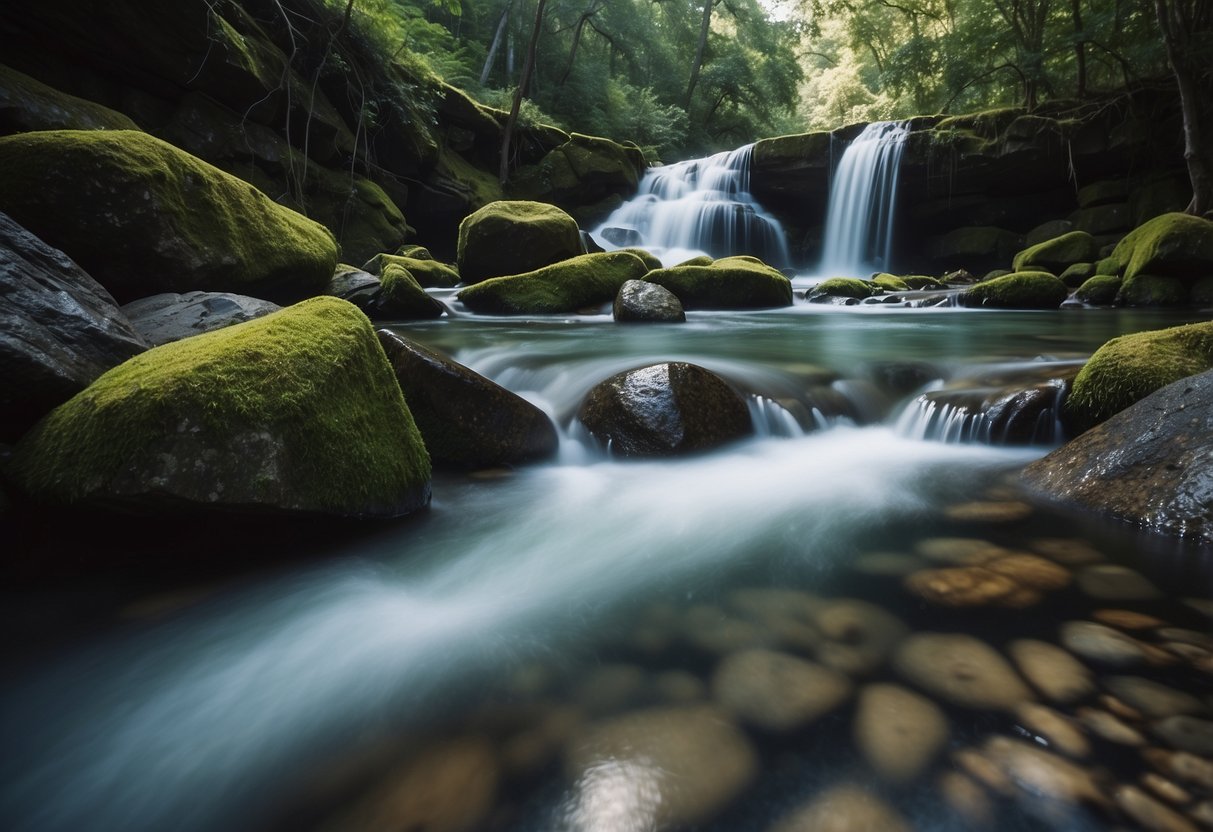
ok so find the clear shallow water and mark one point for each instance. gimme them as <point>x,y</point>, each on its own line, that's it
<point>289,699</point>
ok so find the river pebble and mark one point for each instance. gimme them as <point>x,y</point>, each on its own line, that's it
<point>857,637</point>
<point>1110,728</point>
<point>1045,784</point>
<point>1102,644</point>
<point>1153,699</point>
<point>962,551</point>
<point>1109,582</point>
<point>1166,789</point>
<point>1186,733</point>
<point>1055,673</point>
<point>527,752</point>
<point>611,687</point>
<point>984,770</point>
<point>1118,708</point>
<point>1182,766</point>
<point>964,586</point>
<point>679,686</point>
<point>1032,571</point>
<point>1005,511</point>
<point>844,808</point>
<point>898,732</point>
<point>962,670</point>
<point>1059,731</point>
<point>1066,550</point>
<point>1150,813</point>
<point>1184,636</point>
<point>1203,813</point>
<point>777,691</point>
<point>713,630</point>
<point>1204,606</point>
<point>1127,619</point>
<point>967,799</point>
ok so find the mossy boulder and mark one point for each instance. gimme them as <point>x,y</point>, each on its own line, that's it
<point>143,217</point>
<point>27,105</point>
<point>1172,245</point>
<point>1129,368</point>
<point>729,283</point>
<point>467,420</point>
<point>363,217</point>
<point>1152,290</point>
<point>890,283</point>
<point>425,270</point>
<point>295,412</point>
<point>1077,274</point>
<point>416,252</point>
<point>401,296</point>
<point>922,281</point>
<point>513,237</point>
<point>571,285</point>
<point>1057,254</point>
<point>1020,290</point>
<point>651,260</point>
<point>1099,290</point>
<point>843,287</point>
<point>697,260</point>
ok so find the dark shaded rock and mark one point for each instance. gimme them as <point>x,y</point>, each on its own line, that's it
<point>1058,254</point>
<point>1047,231</point>
<point>977,249</point>
<point>589,245</point>
<point>507,238</point>
<point>354,285</point>
<point>402,297</point>
<point>466,419</point>
<point>59,329</point>
<point>664,409</point>
<point>171,317</point>
<point>641,301</point>
<point>27,105</point>
<point>1076,274</point>
<point>1148,464</point>
<point>622,236</point>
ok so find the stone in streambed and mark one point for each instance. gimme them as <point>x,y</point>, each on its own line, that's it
<point>1102,645</point>
<point>171,316</point>
<point>427,271</point>
<point>590,280</point>
<point>1021,290</point>
<point>967,586</point>
<point>513,237</point>
<point>777,691</point>
<point>1057,254</point>
<point>962,670</point>
<point>466,420</point>
<point>1153,699</point>
<point>1057,731</point>
<point>401,297</point>
<point>981,511</point>
<point>1045,785</point>
<point>1148,812</point>
<point>1109,582</point>
<point>1186,733</point>
<point>1031,571</point>
<point>1127,619</point>
<point>898,731</point>
<point>639,301</point>
<point>857,637</point>
<point>729,283</point>
<point>1109,727</point>
<point>959,550</point>
<point>844,808</point>
<point>967,799</point>
<point>1066,550</point>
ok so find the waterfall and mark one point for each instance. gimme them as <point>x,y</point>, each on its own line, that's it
<point>701,206</point>
<point>859,219</point>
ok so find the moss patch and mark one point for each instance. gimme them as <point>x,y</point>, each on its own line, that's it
<point>143,217</point>
<point>650,259</point>
<point>1173,245</point>
<point>844,287</point>
<point>1021,290</point>
<point>577,283</point>
<point>27,104</point>
<point>890,283</point>
<point>921,281</point>
<point>1131,367</point>
<point>1152,290</point>
<point>298,410</point>
<point>1077,274</point>
<point>1058,254</point>
<point>428,272</point>
<point>514,237</point>
<point>729,283</point>
<point>1099,290</point>
<point>401,296</point>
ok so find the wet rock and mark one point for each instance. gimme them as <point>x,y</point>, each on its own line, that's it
<point>1185,636</point>
<point>1045,784</point>
<point>1181,765</point>
<point>529,751</point>
<point>354,285</point>
<point>1066,550</point>
<point>1109,727</point>
<point>962,670</point>
<point>1203,813</point>
<point>966,551</point>
<point>1126,619</point>
<point>621,237</point>
<point>898,731</point>
<point>857,637</point>
<point>969,586</point>
<point>513,237</point>
<point>1164,788</point>
<point>777,691</point>
<point>984,770</point>
<point>1031,571</point>
<point>1186,733</point>
<point>640,301</point>
<point>887,564</point>
<point>1052,671</point>
<point>662,766</point>
<point>1148,812</point>
<point>664,410</point>
<point>1154,700</point>
<point>1203,606</point>
<point>844,808</point>
<point>785,614</point>
<point>611,687</point>
<point>728,283</point>
<point>171,317</point>
<point>989,512</point>
<point>967,799</point>
<point>1058,731</point>
<point>1108,582</point>
<point>1102,645</point>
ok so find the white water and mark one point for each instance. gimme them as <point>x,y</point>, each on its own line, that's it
<point>859,220</point>
<point>701,206</point>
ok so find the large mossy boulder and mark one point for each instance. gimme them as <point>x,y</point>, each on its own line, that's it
<point>664,410</point>
<point>467,420</point>
<point>401,297</point>
<point>59,329</point>
<point>427,271</point>
<point>571,285</point>
<point>1147,464</point>
<point>729,283</point>
<point>1020,290</point>
<point>27,104</point>
<point>1131,367</point>
<point>1058,254</point>
<point>842,287</point>
<point>171,316</point>
<point>1099,290</point>
<point>512,237</point>
<point>296,412</point>
<point>1162,260</point>
<point>143,217</point>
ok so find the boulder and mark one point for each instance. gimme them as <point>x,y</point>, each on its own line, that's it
<point>589,280</point>
<point>427,271</point>
<point>354,285</point>
<point>1047,231</point>
<point>842,287</point>
<point>1076,274</point>
<point>27,105</point>
<point>143,217</point>
<point>171,317</point>
<point>465,419</point>
<point>1020,290</point>
<point>1058,254</point>
<point>1153,290</point>
<point>639,301</point>
<point>1147,465</point>
<point>513,237</point>
<point>729,283</point>
<point>1129,368</point>
<point>295,412</point>
<point>844,808</point>
<point>401,297</point>
<point>59,329</point>
<point>1172,245</point>
<point>1099,290</point>
<point>663,410</point>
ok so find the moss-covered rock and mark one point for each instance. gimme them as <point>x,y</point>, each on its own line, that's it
<point>568,286</point>
<point>1020,290</point>
<point>298,411</point>
<point>1077,274</point>
<point>360,214</point>
<point>729,283</point>
<point>1173,245</point>
<point>1132,367</point>
<point>1099,290</point>
<point>27,105</point>
<point>1108,265</point>
<point>415,252</point>
<point>1057,254</point>
<point>426,271</point>
<point>890,283</point>
<point>651,260</point>
<point>401,296</point>
<point>513,237</point>
<point>843,287</point>
<point>922,281</point>
<point>143,217</point>
<point>697,260</point>
<point>1152,290</point>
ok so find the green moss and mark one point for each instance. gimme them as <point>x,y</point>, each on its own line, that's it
<point>1021,290</point>
<point>27,105</point>
<point>786,151</point>
<point>1131,367</point>
<point>1108,265</point>
<point>577,283</point>
<point>844,287</point>
<point>313,376</point>
<point>988,124</point>
<point>890,283</point>
<point>428,272</point>
<point>361,215</point>
<point>143,217</point>
<point>514,237</point>
<point>1077,274</point>
<point>401,296</point>
<point>1057,254</point>
<point>1099,290</point>
<point>1175,245</point>
<point>415,252</point>
<point>701,260</point>
<point>649,258</point>
<point>478,187</point>
<point>729,283</point>
<point>921,281</point>
<point>1152,290</point>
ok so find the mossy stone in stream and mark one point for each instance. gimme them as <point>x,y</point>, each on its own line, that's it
<point>729,283</point>
<point>1058,254</point>
<point>1019,290</point>
<point>1099,290</point>
<point>1172,245</point>
<point>295,412</point>
<point>1131,367</point>
<point>401,296</point>
<point>890,283</point>
<point>1077,274</point>
<point>513,237</point>
<point>650,259</point>
<point>574,284</point>
<point>843,287</point>
<point>427,271</point>
<point>921,281</point>
<point>143,217</point>
<point>1152,290</point>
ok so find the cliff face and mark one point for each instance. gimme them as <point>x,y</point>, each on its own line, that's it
<point>312,113</point>
<point>974,188</point>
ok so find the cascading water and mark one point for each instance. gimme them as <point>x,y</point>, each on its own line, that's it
<point>859,219</point>
<point>701,206</point>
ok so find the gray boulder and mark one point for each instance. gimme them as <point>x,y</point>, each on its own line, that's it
<point>171,316</point>
<point>639,301</point>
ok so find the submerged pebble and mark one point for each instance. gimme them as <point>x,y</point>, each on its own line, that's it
<point>1110,728</point>
<point>1067,550</point>
<point>1052,671</point>
<point>1045,784</point>
<point>962,670</point>
<point>1032,571</point>
<point>1058,731</point>
<point>1126,619</point>
<point>1165,789</point>
<point>1153,699</point>
<point>967,799</point>
<point>964,551</point>
<point>1109,582</point>
<point>1150,813</point>
<point>1101,644</point>
<point>1186,733</point>
<point>1005,511</point>
<point>857,637</point>
<point>844,808</point>
<point>898,731</point>
<point>777,691</point>
<point>965,586</point>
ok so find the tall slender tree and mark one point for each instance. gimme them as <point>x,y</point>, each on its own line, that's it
<point>1187,32</point>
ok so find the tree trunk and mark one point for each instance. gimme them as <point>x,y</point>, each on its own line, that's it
<point>1182,28</point>
<point>528,66</point>
<point>496,44</point>
<point>568,69</point>
<point>699,50</point>
<point>1080,49</point>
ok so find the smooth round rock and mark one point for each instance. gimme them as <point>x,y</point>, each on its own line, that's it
<point>1006,511</point>
<point>1181,765</point>
<point>1166,789</point>
<point>967,799</point>
<point>1031,571</point>
<point>1108,727</point>
<point>1186,733</point>
<point>1046,784</point>
<point>611,687</point>
<point>962,670</point>
<point>1057,730</point>
<point>639,301</point>
<point>1155,700</point>
<point>1055,673</point>
<point>857,637</point>
<point>965,586</point>
<point>1109,582</point>
<point>1101,644</point>
<point>1148,812</point>
<point>844,808</point>
<point>1067,550</point>
<point>898,731</point>
<point>965,551</point>
<point>777,691</point>
<point>1126,619</point>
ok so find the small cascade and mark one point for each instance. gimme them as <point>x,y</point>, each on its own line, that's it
<point>702,206</point>
<point>859,219</point>
<point>1029,416</point>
